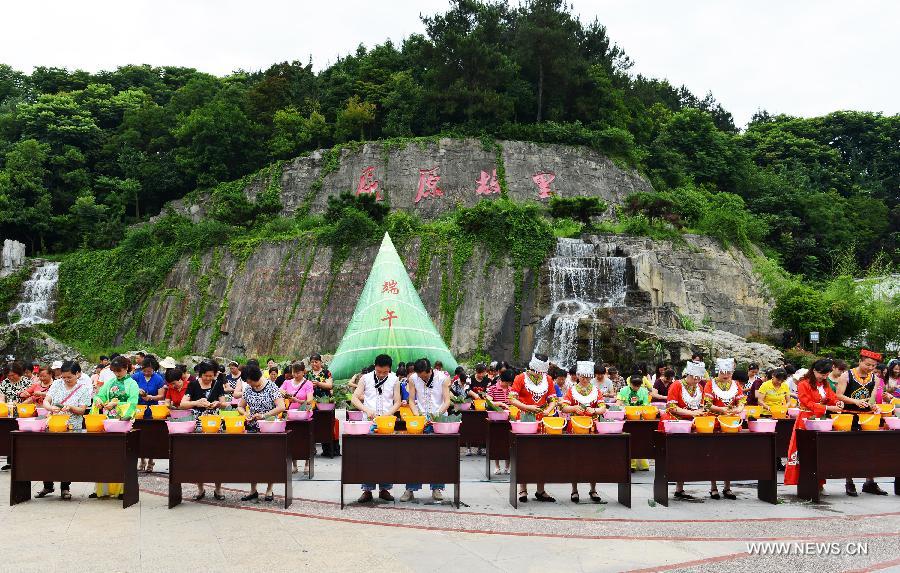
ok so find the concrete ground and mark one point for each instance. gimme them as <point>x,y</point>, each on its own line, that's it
<point>487,534</point>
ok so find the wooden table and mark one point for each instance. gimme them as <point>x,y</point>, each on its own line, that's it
<point>7,425</point>
<point>643,435</point>
<point>154,442</point>
<point>301,442</point>
<point>232,458</point>
<point>783,430</point>
<point>497,440</point>
<point>323,430</point>
<point>717,456</point>
<point>473,429</point>
<point>824,455</point>
<point>401,458</point>
<point>74,456</point>
<point>570,458</point>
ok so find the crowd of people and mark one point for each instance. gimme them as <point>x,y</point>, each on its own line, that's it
<point>119,384</point>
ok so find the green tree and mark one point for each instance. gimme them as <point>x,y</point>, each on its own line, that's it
<point>353,119</point>
<point>802,309</point>
<point>581,209</point>
<point>27,213</point>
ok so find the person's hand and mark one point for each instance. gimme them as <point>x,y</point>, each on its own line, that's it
<point>142,393</point>
<point>203,403</point>
<point>259,416</point>
<point>369,412</point>
<point>834,409</point>
<point>839,404</point>
<point>533,408</point>
<point>55,409</point>
<point>862,404</point>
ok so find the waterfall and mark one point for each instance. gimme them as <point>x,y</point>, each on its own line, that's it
<point>37,302</point>
<point>581,280</point>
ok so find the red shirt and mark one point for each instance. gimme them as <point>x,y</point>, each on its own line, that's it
<point>710,395</point>
<point>809,396</point>
<point>524,396</point>
<point>675,397</point>
<point>174,394</point>
<point>33,390</point>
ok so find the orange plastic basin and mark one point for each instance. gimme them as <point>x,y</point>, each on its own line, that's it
<point>581,424</point>
<point>869,422</point>
<point>730,424</point>
<point>705,424</point>
<point>842,422</point>
<point>649,412</point>
<point>634,412</point>
<point>554,425</point>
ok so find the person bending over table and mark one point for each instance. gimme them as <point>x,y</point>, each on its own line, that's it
<point>685,402</point>
<point>534,392</point>
<point>499,395</point>
<point>775,391</point>
<point>725,397</point>
<point>378,394</point>
<point>68,395</point>
<point>815,397</point>
<point>635,394</point>
<point>205,395</point>
<point>296,391</point>
<point>429,395</point>
<point>660,391</point>
<point>584,399</point>
<point>260,399</point>
<point>120,389</point>
<point>861,391</point>
<point>151,389</point>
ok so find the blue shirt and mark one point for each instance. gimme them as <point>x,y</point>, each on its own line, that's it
<point>151,386</point>
<point>404,393</point>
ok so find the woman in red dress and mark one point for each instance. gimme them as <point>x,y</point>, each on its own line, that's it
<point>583,398</point>
<point>533,391</point>
<point>685,402</point>
<point>816,397</point>
<point>725,397</point>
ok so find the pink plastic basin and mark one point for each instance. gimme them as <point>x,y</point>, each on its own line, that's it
<point>677,426</point>
<point>499,416</point>
<point>176,414</point>
<point>524,427</point>
<point>819,425</point>
<point>273,427</point>
<point>181,427</point>
<point>299,415</point>
<point>793,412</point>
<point>41,411</point>
<point>892,423</point>
<point>357,427</point>
<point>329,406</point>
<point>117,426</point>
<point>660,405</point>
<point>355,416</point>
<point>464,406</point>
<point>446,427</point>
<point>614,414</point>
<point>32,424</point>
<point>609,427</point>
<point>762,426</point>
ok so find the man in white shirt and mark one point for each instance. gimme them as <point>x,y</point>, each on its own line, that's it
<point>429,395</point>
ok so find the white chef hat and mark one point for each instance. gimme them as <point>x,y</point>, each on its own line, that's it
<point>724,364</point>
<point>584,368</point>
<point>695,369</point>
<point>57,364</point>
<point>539,365</point>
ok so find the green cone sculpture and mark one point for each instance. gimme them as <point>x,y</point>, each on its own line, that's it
<point>389,319</point>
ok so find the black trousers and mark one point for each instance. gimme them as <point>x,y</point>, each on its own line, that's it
<point>64,486</point>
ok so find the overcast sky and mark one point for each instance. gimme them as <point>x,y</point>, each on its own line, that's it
<point>801,57</point>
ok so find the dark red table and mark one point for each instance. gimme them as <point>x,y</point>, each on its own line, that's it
<point>232,458</point>
<point>74,456</point>
<point>7,425</point>
<point>302,443</point>
<point>497,441</point>
<point>643,435</point>
<point>323,430</point>
<point>154,442</point>
<point>570,458</point>
<point>824,455</point>
<point>473,429</point>
<point>717,456</point>
<point>783,430</point>
<point>401,459</point>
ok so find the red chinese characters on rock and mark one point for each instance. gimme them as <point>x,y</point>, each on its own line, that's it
<point>390,287</point>
<point>428,184</point>
<point>487,184</point>
<point>368,185</point>
<point>543,180</point>
<point>390,318</point>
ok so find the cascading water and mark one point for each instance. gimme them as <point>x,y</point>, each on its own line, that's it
<point>37,302</point>
<point>581,280</point>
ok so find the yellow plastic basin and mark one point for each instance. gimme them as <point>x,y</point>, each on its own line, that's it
<point>385,424</point>
<point>94,422</point>
<point>753,411</point>
<point>649,412</point>
<point>479,405</point>
<point>26,410</point>
<point>730,424</point>
<point>58,423</point>
<point>886,409</point>
<point>779,412</point>
<point>210,423</point>
<point>4,410</point>
<point>869,422</point>
<point>513,413</point>
<point>705,424</point>
<point>234,424</point>
<point>793,403</point>
<point>159,412</point>
<point>842,422</point>
<point>415,424</point>
<point>554,425</point>
<point>405,412</point>
<point>582,424</point>
<point>123,409</point>
<point>634,412</point>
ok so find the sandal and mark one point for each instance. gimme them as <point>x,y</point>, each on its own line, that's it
<point>200,496</point>
<point>66,495</point>
<point>44,492</point>
<point>498,472</point>
<point>141,466</point>
<point>150,467</point>
<point>595,497</point>
<point>543,496</point>
<point>682,495</point>
<point>727,493</point>
<point>218,496</point>
<point>714,495</point>
<point>251,497</point>
<point>574,497</point>
<point>523,497</point>
<point>269,497</point>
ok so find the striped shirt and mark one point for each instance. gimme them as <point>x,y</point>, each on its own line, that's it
<point>498,394</point>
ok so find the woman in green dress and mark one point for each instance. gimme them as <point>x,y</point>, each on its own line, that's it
<point>115,392</point>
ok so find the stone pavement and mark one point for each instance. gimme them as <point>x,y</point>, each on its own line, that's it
<point>485,535</point>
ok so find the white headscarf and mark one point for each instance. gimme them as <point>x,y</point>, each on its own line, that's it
<point>697,369</point>
<point>540,366</point>
<point>724,364</point>
<point>584,368</point>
